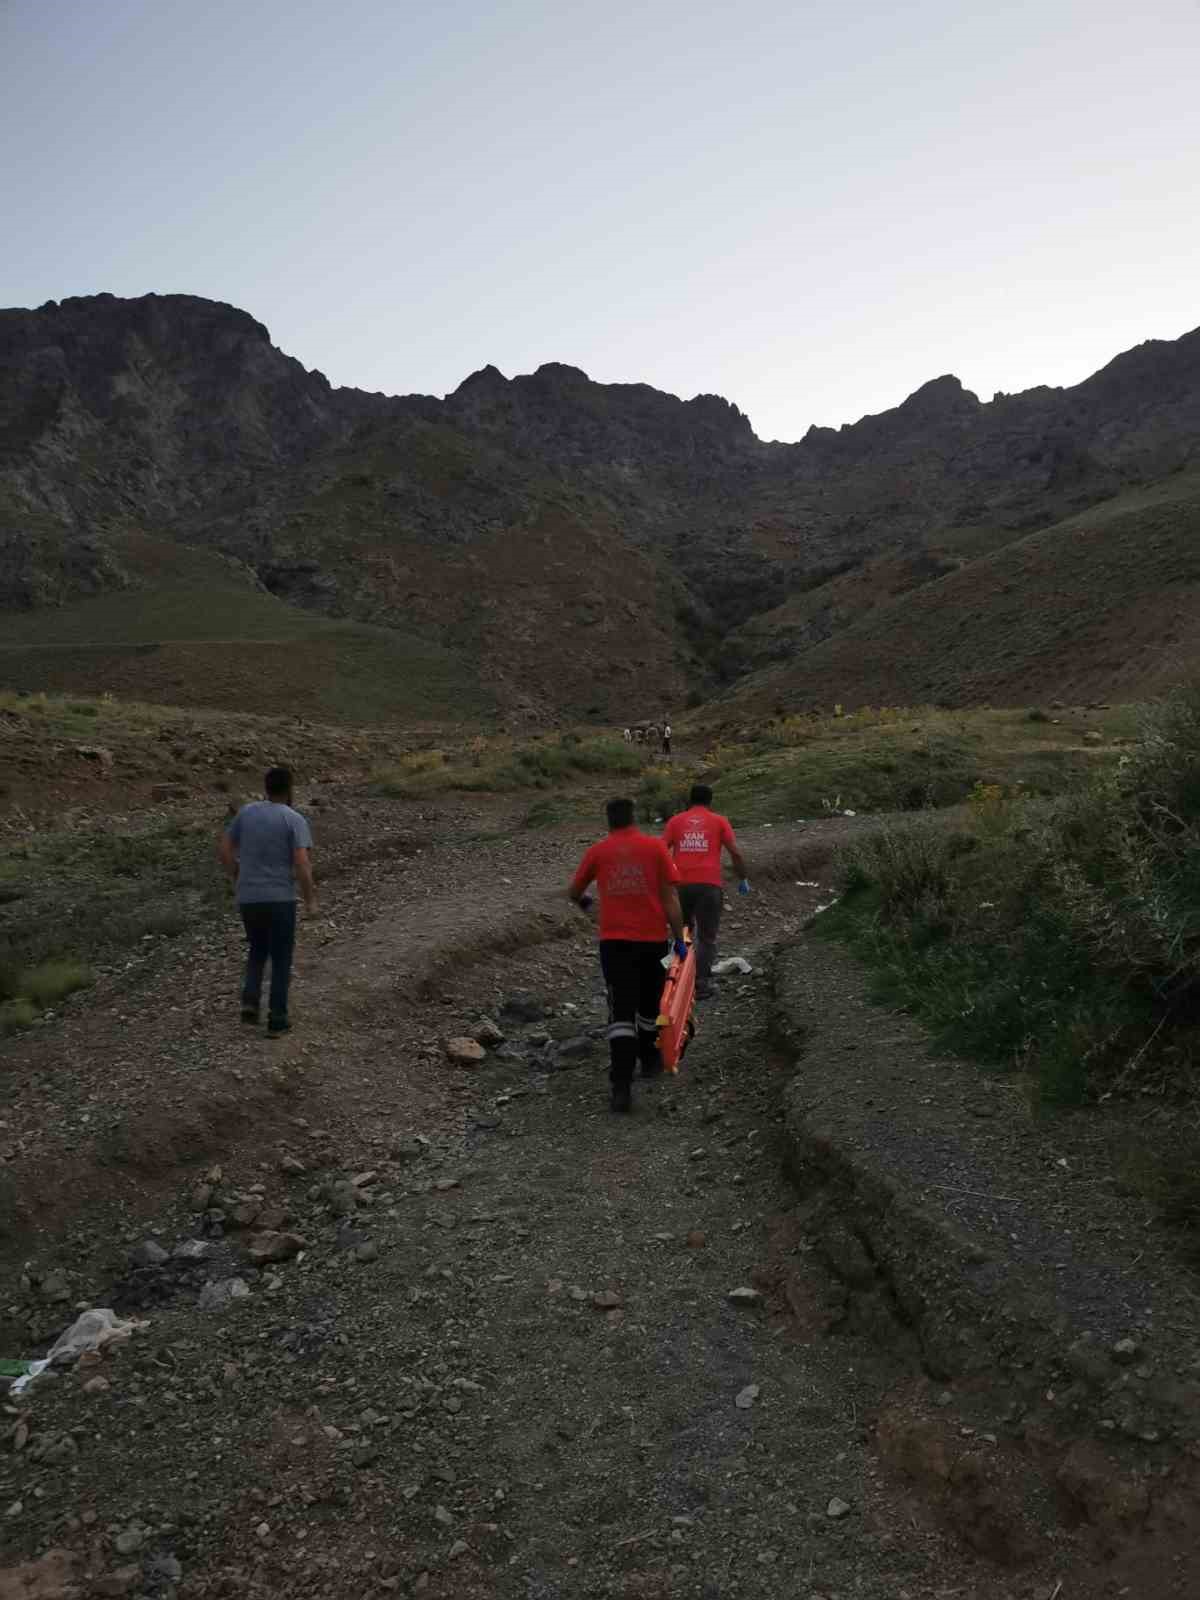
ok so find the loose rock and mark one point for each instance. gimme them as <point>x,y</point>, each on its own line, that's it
<point>130,1539</point>
<point>220,1294</point>
<point>465,1052</point>
<point>194,1250</point>
<point>274,1247</point>
<point>148,1254</point>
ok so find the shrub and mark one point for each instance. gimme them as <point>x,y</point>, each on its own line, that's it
<point>660,794</point>
<point>52,981</point>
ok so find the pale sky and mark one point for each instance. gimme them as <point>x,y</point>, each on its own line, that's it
<point>808,206</point>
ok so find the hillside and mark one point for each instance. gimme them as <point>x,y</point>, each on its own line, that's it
<point>559,545</point>
<point>1102,605</point>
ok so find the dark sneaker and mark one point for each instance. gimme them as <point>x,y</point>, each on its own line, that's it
<point>250,1016</point>
<point>276,1026</point>
<point>621,1099</point>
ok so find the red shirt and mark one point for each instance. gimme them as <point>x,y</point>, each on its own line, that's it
<point>694,838</point>
<point>630,869</point>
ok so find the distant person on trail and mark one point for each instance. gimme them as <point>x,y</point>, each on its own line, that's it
<point>639,734</point>
<point>666,745</point>
<point>638,898</point>
<point>265,850</point>
<point>695,838</point>
<point>628,735</point>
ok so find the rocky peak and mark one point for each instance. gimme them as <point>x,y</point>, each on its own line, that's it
<point>940,399</point>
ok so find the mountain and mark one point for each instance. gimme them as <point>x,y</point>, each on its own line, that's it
<point>554,544</point>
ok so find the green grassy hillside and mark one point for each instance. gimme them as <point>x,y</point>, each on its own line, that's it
<point>204,635</point>
<point>1101,605</point>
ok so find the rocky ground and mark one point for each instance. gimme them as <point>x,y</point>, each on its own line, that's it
<point>413,1326</point>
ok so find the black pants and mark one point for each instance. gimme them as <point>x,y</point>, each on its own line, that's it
<point>271,934</point>
<point>701,905</point>
<point>634,975</point>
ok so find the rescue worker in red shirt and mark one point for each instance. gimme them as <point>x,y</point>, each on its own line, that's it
<point>636,880</point>
<point>695,838</point>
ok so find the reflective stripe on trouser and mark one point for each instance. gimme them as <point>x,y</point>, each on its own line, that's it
<point>634,977</point>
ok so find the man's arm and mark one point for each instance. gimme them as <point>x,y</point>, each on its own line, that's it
<point>577,888</point>
<point>669,893</point>
<point>302,865</point>
<point>227,856</point>
<point>735,855</point>
<point>670,837</point>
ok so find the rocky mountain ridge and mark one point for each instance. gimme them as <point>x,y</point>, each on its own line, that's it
<point>569,538</point>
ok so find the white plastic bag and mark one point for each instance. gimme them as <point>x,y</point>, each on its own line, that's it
<point>732,964</point>
<point>91,1330</point>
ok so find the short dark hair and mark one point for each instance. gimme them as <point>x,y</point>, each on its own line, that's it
<point>619,813</point>
<point>278,780</point>
<point>701,795</point>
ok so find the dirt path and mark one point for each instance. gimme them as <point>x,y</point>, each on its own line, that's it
<point>506,1362</point>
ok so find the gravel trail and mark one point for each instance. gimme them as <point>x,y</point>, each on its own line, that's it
<point>504,1360</point>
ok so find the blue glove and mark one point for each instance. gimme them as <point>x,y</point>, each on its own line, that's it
<point>744,886</point>
<point>585,902</point>
<point>681,949</point>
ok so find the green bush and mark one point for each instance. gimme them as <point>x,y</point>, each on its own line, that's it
<point>660,794</point>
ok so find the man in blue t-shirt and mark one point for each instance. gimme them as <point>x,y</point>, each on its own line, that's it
<point>265,852</point>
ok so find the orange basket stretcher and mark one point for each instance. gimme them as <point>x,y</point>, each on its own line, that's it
<point>676,1025</point>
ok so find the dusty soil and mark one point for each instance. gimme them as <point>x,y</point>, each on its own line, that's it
<point>504,1361</point>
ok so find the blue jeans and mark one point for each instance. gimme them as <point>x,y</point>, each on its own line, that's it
<point>271,934</point>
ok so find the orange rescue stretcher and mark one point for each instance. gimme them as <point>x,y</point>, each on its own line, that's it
<point>676,1025</point>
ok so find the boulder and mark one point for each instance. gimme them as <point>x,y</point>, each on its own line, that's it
<point>465,1052</point>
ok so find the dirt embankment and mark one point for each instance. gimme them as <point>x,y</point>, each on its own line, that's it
<point>1001,1252</point>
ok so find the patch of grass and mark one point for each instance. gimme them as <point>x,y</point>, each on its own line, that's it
<point>1060,937</point>
<point>15,1015</point>
<point>53,981</point>
<point>503,766</point>
<point>27,991</point>
<point>545,812</point>
<point>217,643</point>
<point>900,759</point>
